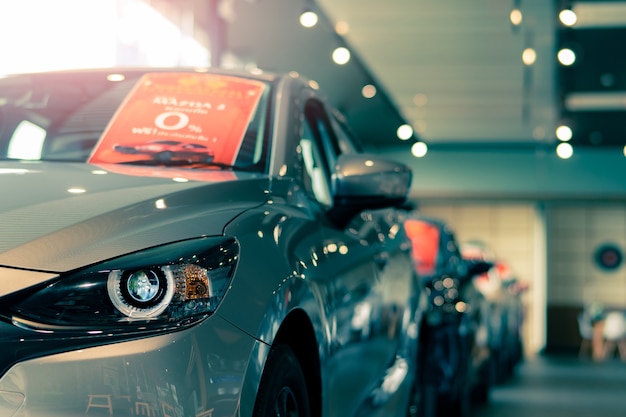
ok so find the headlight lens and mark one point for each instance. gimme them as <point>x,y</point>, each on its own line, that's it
<point>170,285</point>
<point>143,293</point>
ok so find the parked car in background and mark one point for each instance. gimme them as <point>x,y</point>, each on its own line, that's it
<point>456,361</point>
<point>274,279</point>
<point>503,292</point>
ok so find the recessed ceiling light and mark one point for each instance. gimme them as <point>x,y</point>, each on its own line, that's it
<point>404,132</point>
<point>368,91</point>
<point>564,150</point>
<point>529,56</point>
<point>308,19</point>
<point>516,17</point>
<point>419,149</point>
<point>568,17</point>
<point>566,56</point>
<point>342,28</point>
<point>564,133</point>
<point>420,99</point>
<point>341,55</point>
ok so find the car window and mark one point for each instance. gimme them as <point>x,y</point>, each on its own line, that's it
<point>346,140</point>
<point>63,116</point>
<point>316,173</point>
<point>325,136</point>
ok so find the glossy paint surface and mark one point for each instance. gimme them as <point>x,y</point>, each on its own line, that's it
<point>333,279</point>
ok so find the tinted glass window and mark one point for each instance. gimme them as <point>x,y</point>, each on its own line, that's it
<point>314,135</point>
<point>346,140</point>
<point>63,116</point>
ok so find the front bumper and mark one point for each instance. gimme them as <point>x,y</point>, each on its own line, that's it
<point>197,372</point>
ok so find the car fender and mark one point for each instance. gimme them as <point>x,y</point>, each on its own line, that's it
<point>292,297</point>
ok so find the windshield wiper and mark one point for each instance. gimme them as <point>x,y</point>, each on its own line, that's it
<point>189,164</point>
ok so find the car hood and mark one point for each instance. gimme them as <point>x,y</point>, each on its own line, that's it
<point>55,217</point>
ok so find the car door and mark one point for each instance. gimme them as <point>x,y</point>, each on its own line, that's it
<point>364,276</point>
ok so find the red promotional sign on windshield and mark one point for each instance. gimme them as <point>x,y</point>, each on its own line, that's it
<point>180,116</point>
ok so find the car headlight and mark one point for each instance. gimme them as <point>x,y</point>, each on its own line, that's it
<point>154,289</point>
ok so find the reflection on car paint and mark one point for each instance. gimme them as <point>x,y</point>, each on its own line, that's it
<point>108,316</point>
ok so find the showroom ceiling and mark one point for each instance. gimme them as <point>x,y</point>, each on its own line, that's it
<point>456,71</point>
<point>453,70</point>
<point>267,34</point>
<point>454,67</point>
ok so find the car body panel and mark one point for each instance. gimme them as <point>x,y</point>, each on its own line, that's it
<point>179,374</point>
<point>332,296</point>
<point>331,277</point>
<point>14,279</point>
<point>128,213</point>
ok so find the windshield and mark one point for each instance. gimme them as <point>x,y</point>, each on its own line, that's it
<point>203,120</point>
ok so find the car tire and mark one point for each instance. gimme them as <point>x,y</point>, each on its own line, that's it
<point>481,392</point>
<point>283,389</point>
<point>459,403</point>
<point>461,406</point>
<point>429,401</point>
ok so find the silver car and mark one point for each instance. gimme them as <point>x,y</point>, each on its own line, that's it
<point>272,279</point>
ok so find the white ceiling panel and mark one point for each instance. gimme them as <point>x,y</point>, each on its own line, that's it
<point>463,60</point>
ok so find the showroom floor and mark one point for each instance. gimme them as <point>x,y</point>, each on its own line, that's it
<point>561,387</point>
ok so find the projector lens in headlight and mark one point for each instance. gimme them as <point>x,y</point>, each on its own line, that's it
<point>143,286</point>
<point>141,294</point>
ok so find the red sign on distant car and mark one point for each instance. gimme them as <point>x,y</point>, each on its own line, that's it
<point>191,117</point>
<point>425,240</point>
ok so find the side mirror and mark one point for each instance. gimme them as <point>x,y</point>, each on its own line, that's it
<point>369,181</point>
<point>477,267</point>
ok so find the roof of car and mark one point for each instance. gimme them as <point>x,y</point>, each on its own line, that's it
<point>255,74</point>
